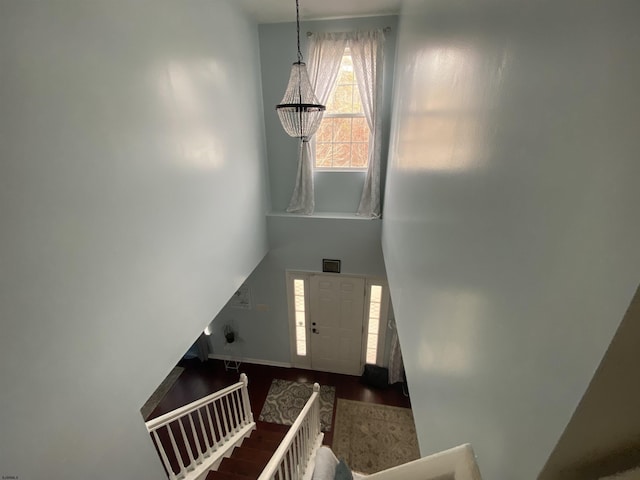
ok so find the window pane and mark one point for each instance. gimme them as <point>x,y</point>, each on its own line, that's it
<point>342,130</point>
<point>324,133</point>
<point>300,317</point>
<point>374,325</point>
<point>359,155</point>
<point>376,293</point>
<point>374,310</point>
<point>343,100</point>
<point>360,130</point>
<point>371,356</point>
<point>341,154</point>
<point>299,299</point>
<point>324,154</point>
<point>301,335</point>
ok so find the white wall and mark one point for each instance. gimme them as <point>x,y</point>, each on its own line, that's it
<point>132,193</point>
<point>511,222</point>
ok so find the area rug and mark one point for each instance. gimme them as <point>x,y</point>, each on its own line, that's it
<point>286,400</point>
<point>371,438</point>
<point>157,396</point>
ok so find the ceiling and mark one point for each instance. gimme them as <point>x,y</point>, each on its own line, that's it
<point>273,11</point>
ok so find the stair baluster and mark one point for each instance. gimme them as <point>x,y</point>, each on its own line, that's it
<point>207,442</point>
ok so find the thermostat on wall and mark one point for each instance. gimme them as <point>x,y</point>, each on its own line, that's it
<point>331,266</point>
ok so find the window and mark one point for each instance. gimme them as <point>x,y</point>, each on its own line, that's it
<point>300,317</point>
<point>373,330</point>
<point>342,141</point>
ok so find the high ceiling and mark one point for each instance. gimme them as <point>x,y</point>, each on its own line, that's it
<point>273,11</point>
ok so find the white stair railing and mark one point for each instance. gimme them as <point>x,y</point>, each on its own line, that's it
<point>205,429</point>
<point>293,458</point>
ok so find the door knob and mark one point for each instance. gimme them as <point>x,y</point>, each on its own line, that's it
<point>315,331</point>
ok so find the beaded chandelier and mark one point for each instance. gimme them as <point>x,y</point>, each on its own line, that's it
<point>300,111</point>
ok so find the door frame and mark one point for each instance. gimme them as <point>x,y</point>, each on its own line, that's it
<point>304,362</point>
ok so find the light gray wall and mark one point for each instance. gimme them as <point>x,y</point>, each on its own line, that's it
<point>511,223</point>
<point>132,193</point>
<point>296,243</point>
<point>334,192</point>
<point>603,436</point>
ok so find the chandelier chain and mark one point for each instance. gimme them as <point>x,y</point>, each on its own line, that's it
<point>298,30</point>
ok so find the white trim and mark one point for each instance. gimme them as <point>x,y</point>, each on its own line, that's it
<point>317,215</point>
<point>255,361</point>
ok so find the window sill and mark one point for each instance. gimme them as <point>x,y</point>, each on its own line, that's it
<point>332,215</point>
<point>339,170</point>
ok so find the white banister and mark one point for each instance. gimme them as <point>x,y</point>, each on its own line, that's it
<point>209,442</point>
<point>163,455</point>
<point>176,453</point>
<point>291,460</point>
<point>457,463</point>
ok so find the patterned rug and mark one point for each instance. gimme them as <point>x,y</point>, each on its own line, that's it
<point>371,438</point>
<point>286,400</point>
<point>157,396</point>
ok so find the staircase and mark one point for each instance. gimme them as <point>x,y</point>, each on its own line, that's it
<point>216,438</point>
<point>249,459</point>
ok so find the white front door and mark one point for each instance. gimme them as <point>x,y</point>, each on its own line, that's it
<point>336,317</point>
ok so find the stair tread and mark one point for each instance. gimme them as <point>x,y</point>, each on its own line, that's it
<point>258,444</point>
<point>252,454</point>
<point>249,459</point>
<point>273,427</point>
<point>226,476</point>
<point>241,467</point>
<point>268,435</point>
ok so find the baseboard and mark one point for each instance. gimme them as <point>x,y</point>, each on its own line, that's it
<point>255,361</point>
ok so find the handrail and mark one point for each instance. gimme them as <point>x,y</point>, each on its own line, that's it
<point>458,462</point>
<point>274,464</point>
<point>194,437</point>
<point>190,407</point>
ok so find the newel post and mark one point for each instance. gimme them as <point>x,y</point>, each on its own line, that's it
<point>245,398</point>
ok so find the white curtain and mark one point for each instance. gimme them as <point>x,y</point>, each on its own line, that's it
<point>325,56</point>
<point>302,200</point>
<point>396,365</point>
<point>368,60</point>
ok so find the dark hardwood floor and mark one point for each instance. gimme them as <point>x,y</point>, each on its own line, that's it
<point>203,378</point>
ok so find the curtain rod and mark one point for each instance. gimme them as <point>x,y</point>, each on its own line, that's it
<point>385,30</point>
